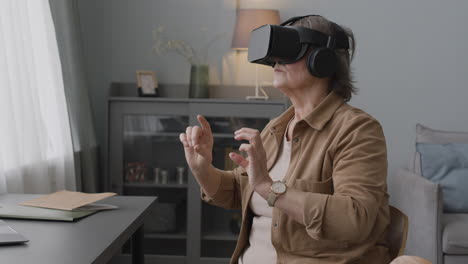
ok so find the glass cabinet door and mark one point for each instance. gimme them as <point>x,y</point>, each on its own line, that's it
<point>220,227</point>
<point>154,164</point>
<point>146,158</point>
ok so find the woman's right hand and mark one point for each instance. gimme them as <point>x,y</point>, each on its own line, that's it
<point>198,145</point>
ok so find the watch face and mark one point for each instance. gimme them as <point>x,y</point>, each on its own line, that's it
<point>278,187</point>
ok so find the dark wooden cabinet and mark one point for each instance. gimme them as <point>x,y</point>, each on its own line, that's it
<point>143,141</point>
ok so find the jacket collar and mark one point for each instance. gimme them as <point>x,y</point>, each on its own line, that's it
<point>315,119</point>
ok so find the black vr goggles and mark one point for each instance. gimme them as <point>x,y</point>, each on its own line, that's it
<point>271,44</point>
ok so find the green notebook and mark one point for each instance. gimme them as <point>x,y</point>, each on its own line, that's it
<point>28,212</point>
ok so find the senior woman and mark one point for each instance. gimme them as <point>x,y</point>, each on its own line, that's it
<point>313,187</point>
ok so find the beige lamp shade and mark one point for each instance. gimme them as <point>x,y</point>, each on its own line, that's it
<point>249,19</point>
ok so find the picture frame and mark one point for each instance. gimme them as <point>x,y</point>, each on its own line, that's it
<point>147,84</point>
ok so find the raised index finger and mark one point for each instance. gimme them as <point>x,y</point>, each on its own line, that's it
<point>204,123</point>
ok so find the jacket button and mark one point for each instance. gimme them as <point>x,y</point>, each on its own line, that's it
<point>276,224</point>
<point>296,139</point>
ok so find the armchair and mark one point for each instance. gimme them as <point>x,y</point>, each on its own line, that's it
<point>441,238</point>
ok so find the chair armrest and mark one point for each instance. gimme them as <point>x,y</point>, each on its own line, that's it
<point>421,200</point>
<point>410,260</point>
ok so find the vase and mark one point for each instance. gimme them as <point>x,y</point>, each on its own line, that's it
<point>199,78</point>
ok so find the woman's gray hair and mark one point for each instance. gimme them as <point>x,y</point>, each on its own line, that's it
<point>342,81</point>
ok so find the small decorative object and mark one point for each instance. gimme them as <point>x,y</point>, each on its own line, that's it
<point>164,174</point>
<point>199,70</point>
<point>135,172</point>
<point>235,223</point>
<point>147,84</point>
<point>156,175</point>
<point>180,174</point>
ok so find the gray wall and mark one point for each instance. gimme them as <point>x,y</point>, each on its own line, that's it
<point>411,63</point>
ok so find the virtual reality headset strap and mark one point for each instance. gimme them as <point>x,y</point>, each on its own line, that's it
<point>338,40</point>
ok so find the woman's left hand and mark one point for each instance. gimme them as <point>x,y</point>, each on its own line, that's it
<point>256,162</point>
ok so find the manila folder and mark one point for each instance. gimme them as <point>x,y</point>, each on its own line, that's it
<point>66,200</point>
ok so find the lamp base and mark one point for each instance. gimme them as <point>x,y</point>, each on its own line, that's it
<point>259,97</point>
<point>258,88</point>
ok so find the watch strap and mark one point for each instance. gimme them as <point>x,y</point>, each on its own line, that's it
<point>271,199</point>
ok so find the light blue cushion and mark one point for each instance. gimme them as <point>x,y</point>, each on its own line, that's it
<point>447,164</point>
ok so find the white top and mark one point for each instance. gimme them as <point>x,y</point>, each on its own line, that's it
<point>261,250</point>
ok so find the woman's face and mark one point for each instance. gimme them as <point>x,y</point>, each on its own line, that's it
<point>292,76</point>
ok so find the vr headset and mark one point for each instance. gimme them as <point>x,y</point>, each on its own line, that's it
<point>271,44</point>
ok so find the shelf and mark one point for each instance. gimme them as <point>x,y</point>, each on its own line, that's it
<point>181,235</point>
<point>155,185</point>
<point>223,135</point>
<point>171,134</point>
<point>152,134</point>
<point>207,260</point>
<point>222,236</point>
<point>149,259</point>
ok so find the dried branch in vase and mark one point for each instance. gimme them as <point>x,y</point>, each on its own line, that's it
<point>181,47</point>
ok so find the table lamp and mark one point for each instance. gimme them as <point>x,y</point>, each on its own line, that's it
<point>247,20</point>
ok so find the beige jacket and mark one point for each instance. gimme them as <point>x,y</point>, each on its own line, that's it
<point>339,161</point>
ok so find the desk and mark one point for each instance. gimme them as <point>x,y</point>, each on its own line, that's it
<point>93,239</point>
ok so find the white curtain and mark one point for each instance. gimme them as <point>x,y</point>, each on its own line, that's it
<point>36,153</point>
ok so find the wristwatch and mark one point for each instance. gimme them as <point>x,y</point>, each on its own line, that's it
<point>277,188</point>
